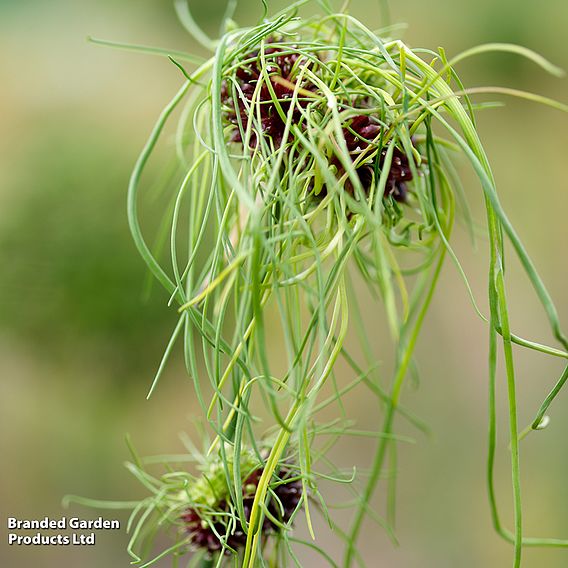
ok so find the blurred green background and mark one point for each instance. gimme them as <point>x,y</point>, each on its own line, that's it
<point>81,332</point>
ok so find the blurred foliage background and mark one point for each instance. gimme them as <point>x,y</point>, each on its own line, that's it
<point>82,331</point>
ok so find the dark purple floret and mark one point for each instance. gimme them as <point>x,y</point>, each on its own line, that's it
<point>399,174</point>
<point>359,134</point>
<point>288,493</point>
<point>202,535</point>
<point>282,69</point>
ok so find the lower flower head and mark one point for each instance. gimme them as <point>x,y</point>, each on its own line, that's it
<point>217,526</point>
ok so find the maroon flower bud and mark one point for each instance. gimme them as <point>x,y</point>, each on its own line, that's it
<point>362,131</point>
<point>399,174</point>
<point>282,69</point>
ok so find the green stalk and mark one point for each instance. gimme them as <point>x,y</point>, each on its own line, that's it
<point>496,223</point>
<point>388,421</point>
<point>513,431</point>
<point>255,523</point>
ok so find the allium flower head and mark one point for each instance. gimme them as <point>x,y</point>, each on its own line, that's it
<point>216,527</point>
<point>277,91</point>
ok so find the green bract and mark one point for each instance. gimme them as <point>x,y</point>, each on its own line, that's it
<point>212,486</point>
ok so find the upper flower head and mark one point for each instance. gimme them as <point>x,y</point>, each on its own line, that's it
<point>278,91</point>
<point>262,94</point>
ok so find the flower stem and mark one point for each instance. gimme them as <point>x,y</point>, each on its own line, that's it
<point>388,421</point>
